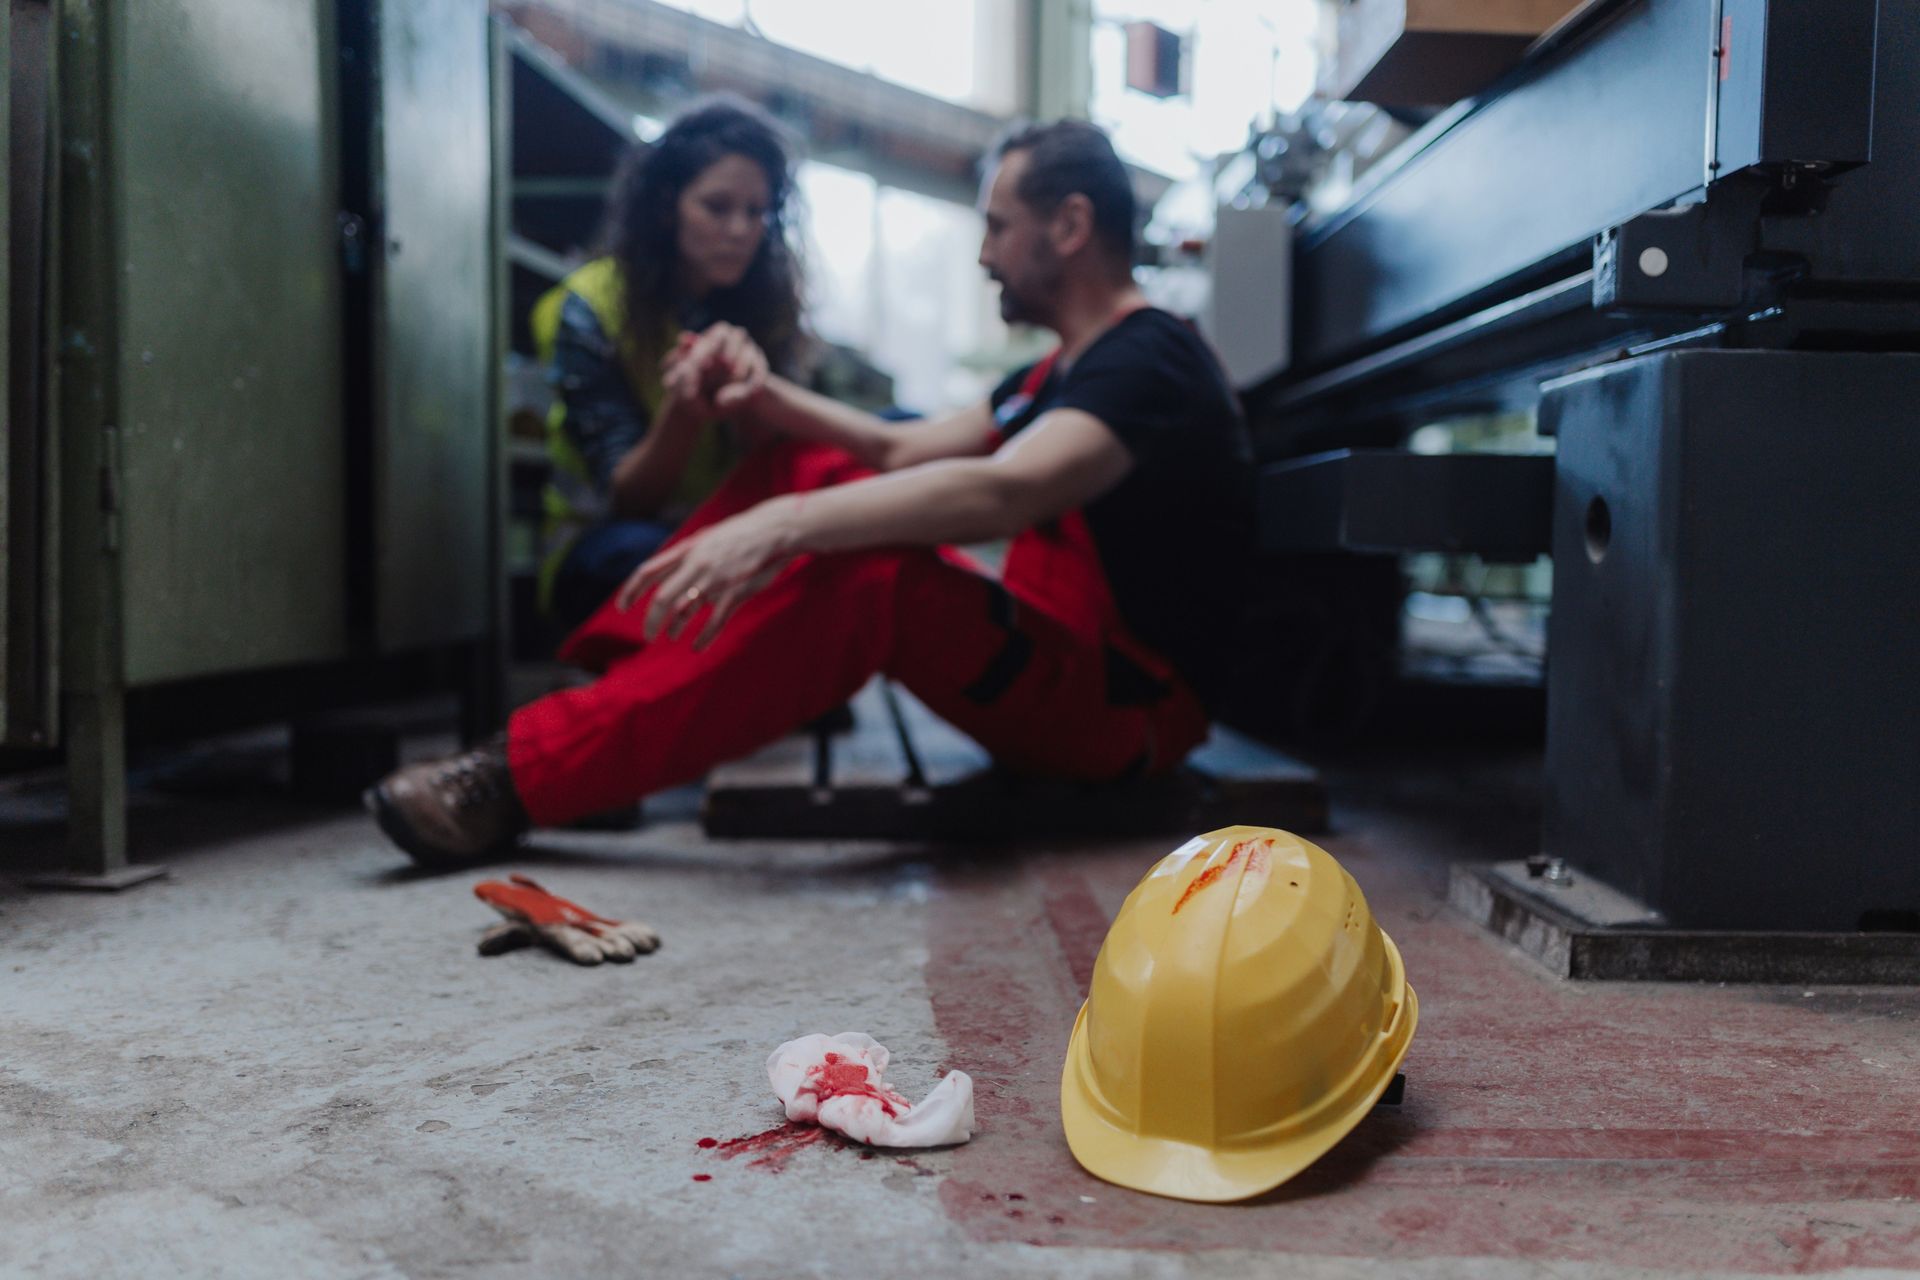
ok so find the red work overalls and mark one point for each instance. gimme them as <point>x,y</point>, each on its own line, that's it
<point>1036,667</point>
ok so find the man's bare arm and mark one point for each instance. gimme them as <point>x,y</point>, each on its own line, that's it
<point>1065,460</point>
<point>885,446</point>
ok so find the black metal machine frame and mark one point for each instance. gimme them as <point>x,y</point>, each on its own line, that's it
<point>1687,233</point>
<point>1767,148</point>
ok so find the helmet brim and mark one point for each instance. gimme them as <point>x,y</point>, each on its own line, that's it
<point>1191,1171</point>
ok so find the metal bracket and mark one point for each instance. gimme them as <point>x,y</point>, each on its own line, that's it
<point>1382,501</point>
<point>1687,258</point>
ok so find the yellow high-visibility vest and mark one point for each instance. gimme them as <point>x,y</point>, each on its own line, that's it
<point>572,501</point>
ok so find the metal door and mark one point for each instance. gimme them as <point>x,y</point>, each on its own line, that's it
<point>228,435</point>
<point>434,452</point>
<point>27,581</point>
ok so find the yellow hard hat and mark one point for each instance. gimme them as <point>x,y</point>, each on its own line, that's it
<point>1246,1012</point>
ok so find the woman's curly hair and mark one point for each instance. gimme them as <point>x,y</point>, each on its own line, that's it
<point>641,227</point>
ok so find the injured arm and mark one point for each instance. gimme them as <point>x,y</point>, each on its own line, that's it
<point>1066,459</point>
<point>792,410</point>
<point>1063,461</point>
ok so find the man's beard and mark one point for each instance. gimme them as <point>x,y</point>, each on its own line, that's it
<point>1014,309</point>
<point>1029,303</point>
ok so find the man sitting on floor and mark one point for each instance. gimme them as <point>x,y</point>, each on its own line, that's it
<point>1119,465</point>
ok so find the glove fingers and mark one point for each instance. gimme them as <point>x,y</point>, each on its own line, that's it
<point>642,938</point>
<point>576,945</point>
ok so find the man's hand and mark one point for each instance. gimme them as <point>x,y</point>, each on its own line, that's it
<point>716,569</point>
<point>717,372</point>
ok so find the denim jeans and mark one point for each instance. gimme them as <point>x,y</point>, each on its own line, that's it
<point>598,562</point>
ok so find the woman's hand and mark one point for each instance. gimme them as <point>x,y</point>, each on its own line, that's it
<point>679,376</point>
<point>717,372</point>
<point>716,569</point>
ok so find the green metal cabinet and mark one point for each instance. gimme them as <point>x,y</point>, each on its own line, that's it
<point>436,451</point>
<point>232,498</point>
<point>8,550</point>
<point>28,578</point>
<point>233,519</point>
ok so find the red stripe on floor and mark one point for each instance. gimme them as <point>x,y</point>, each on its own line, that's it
<point>1079,923</point>
<point>1668,1128</point>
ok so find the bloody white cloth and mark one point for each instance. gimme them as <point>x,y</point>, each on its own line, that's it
<point>835,1082</point>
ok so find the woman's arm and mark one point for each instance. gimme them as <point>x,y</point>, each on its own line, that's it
<point>647,474</point>
<point>633,456</point>
<point>698,366</point>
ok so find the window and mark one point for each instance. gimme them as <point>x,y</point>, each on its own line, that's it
<point>1247,60</point>
<point>930,47</point>
<point>893,274</point>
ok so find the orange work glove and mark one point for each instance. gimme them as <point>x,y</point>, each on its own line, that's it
<point>572,930</point>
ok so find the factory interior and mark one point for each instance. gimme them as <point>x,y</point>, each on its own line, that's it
<point>1031,638</point>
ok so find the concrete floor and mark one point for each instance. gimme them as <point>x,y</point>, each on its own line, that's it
<point>287,1060</point>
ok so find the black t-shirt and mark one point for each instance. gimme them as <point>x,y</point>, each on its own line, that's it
<point>1176,536</point>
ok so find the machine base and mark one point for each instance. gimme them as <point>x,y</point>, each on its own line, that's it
<point>1581,929</point>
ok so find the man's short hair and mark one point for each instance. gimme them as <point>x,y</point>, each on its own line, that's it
<point>1069,157</point>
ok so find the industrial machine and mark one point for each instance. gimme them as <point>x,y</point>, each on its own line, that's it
<point>1683,232</point>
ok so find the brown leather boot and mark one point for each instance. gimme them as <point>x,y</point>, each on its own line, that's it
<point>451,811</point>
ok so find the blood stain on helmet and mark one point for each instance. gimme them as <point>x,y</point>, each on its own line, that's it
<point>1255,851</point>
